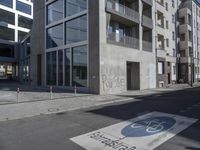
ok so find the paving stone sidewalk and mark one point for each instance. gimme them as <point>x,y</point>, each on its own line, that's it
<point>34,108</point>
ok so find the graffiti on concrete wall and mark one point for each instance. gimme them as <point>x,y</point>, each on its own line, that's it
<point>112,82</point>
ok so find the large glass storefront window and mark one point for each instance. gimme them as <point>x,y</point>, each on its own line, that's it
<point>51,68</point>
<point>55,11</point>
<point>60,68</point>
<point>67,66</point>
<point>7,17</point>
<point>76,30</point>
<point>75,6</point>
<point>75,65</point>
<point>55,36</point>
<point>79,66</point>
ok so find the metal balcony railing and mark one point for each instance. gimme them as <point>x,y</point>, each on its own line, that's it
<point>122,10</point>
<point>146,21</point>
<point>161,3</point>
<point>147,46</point>
<point>126,41</point>
<point>150,2</point>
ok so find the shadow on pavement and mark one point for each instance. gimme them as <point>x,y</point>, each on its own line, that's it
<point>167,102</point>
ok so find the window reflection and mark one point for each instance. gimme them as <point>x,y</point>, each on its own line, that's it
<point>55,36</point>
<point>79,66</point>
<point>75,6</point>
<point>51,68</point>
<point>76,30</point>
<point>55,11</point>
<point>60,68</point>
<point>25,8</point>
<point>8,3</point>
<point>67,67</point>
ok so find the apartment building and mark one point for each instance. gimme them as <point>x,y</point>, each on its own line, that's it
<point>109,46</point>
<point>101,46</point>
<point>166,41</point>
<point>189,41</point>
<point>15,22</point>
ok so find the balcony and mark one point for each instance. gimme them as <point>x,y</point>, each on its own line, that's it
<point>126,41</point>
<point>147,22</point>
<point>122,11</point>
<point>184,12</point>
<point>147,46</point>
<point>150,2</point>
<point>185,44</point>
<point>184,28</point>
<point>161,2</point>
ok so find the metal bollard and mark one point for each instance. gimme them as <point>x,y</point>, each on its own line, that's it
<point>17,95</point>
<point>75,90</point>
<point>51,88</point>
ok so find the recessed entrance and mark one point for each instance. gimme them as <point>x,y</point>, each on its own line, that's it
<point>133,76</point>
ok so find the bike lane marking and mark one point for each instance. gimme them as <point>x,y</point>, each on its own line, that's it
<point>145,132</point>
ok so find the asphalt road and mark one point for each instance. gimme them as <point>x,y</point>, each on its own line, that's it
<point>53,132</point>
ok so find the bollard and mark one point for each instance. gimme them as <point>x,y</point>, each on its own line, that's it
<point>17,95</point>
<point>75,90</point>
<point>51,88</point>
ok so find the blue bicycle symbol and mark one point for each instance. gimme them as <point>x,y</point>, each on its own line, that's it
<point>148,126</point>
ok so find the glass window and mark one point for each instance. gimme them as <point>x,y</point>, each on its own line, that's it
<point>67,67</point>
<point>55,11</point>
<point>6,50</point>
<point>79,66</point>
<point>21,35</point>
<point>55,36</point>
<point>25,8</point>
<point>8,3</point>
<point>75,6</point>
<point>51,68</point>
<point>76,30</point>
<point>7,17</point>
<point>24,22</point>
<point>60,68</point>
<point>7,33</point>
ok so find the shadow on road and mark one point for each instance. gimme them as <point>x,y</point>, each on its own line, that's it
<point>168,102</point>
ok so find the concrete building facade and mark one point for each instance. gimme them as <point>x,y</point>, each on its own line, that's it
<point>167,41</point>
<point>100,46</point>
<point>105,46</point>
<point>189,46</point>
<point>15,22</point>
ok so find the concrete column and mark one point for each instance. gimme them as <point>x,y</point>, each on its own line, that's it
<point>140,25</point>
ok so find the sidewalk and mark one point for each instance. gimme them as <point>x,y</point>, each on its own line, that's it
<point>34,108</point>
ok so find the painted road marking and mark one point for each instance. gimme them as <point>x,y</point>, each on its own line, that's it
<point>145,132</point>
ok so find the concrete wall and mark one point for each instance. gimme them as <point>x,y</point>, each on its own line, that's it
<point>113,62</point>
<point>38,41</point>
<point>94,46</point>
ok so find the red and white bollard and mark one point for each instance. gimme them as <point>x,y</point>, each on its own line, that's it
<point>51,89</point>
<point>17,95</point>
<point>75,90</point>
